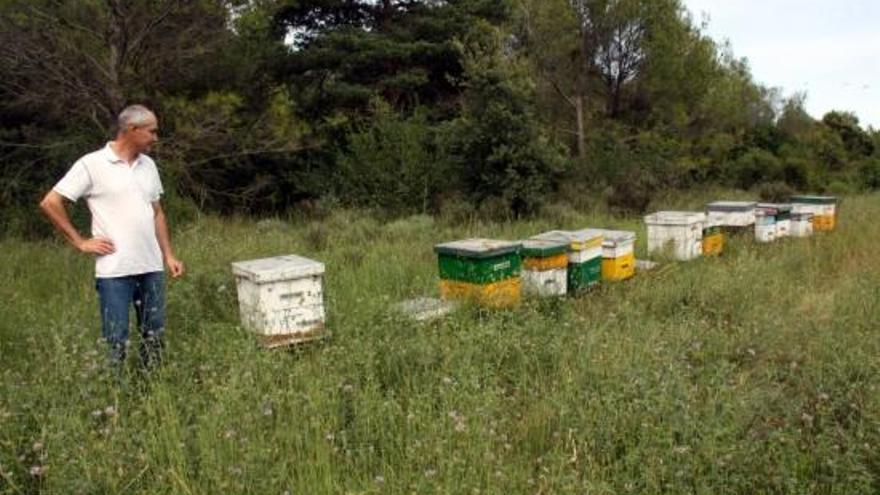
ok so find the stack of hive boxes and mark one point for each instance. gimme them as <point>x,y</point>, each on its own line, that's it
<point>823,208</point>
<point>782,213</point>
<point>584,256</point>
<point>485,271</point>
<point>545,267</point>
<point>618,254</point>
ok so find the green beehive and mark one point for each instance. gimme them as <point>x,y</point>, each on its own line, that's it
<point>478,261</point>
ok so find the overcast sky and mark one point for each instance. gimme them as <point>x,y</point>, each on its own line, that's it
<point>829,49</point>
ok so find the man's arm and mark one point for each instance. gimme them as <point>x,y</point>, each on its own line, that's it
<point>175,266</point>
<point>53,207</point>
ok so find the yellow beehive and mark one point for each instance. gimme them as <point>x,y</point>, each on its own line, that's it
<point>618,255</point>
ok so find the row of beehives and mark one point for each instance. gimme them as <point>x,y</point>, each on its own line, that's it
<point>281,298</point>
<point>690,234</point>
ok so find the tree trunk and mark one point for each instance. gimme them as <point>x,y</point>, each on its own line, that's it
<point>581,138</point>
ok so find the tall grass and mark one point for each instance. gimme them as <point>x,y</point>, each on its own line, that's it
<point>756,372</point>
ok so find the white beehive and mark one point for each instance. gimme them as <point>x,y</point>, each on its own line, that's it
<point>801,225</point>
<point>679,231</point>
<point>281,299</point>
<point>782,213</point>
<point>733,213</point>
<point>765,226</point>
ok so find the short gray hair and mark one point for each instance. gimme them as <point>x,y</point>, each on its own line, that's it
<point>134,115</point>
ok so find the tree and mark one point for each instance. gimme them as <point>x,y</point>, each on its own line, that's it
<point>858,143</point>
<point>347,52</point>
<point>496,144</point>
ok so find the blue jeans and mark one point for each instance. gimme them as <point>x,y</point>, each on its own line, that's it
<point>146,292</point>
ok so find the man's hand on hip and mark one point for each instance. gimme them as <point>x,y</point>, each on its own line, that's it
<point>96,245</point>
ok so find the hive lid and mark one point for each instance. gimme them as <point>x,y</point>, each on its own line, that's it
<point>577,239</point>
<point>814,200</point>
<point>287,267</point>
<point>675,217</point>
<point>477,248</point>
<point>780,207</point>
<point>615,237</point>
<point>731,206</point>
<point>542,248</point>
<point>777,208</point>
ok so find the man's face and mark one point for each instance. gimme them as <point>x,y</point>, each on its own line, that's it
<point>144,136</point>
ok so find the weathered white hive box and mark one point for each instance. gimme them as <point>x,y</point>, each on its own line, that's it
<point>733,213</point>
<point>765,226</point>
<point>281,299</point>
<point>545,267</point>
<point>801,224</point>
<point>679,231</point>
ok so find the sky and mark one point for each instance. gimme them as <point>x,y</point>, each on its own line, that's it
<point>829,49</point>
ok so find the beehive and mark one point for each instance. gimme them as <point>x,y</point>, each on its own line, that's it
<point>823,208</point>
<point>281,299</point>
<point>713,236</point>
<point>801,224</point>
<point>545,267</point>
<point>679,232</point>
<point>618,254</point>
<point>765,225</point>
<point>734,216</point>
<point>782,213</point>
<point>484,271</point>
<point>584,256</point>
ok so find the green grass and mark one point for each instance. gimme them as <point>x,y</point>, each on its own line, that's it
<point>757,372</point>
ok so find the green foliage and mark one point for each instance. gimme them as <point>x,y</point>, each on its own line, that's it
<point>391,163</point>
<point>846,125</point>
<point>496,145</point>
<point>755,166</point>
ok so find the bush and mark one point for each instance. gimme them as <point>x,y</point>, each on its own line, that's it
<point>754,167</point>
<point>775,192</point>
<point>391,164</point>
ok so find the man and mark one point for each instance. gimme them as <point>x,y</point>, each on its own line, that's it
<point>129,233</point>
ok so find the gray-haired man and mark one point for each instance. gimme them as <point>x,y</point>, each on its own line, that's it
<point>129,239</point>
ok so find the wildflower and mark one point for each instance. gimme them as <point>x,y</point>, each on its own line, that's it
<point>110,411</point>
<point>380,479</point>
<point>38,471</point>
<point>37,447</point>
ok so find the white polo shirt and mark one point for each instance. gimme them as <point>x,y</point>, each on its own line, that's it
<point>120,198</point>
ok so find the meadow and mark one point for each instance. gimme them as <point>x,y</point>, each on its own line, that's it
<point>756,372</point>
